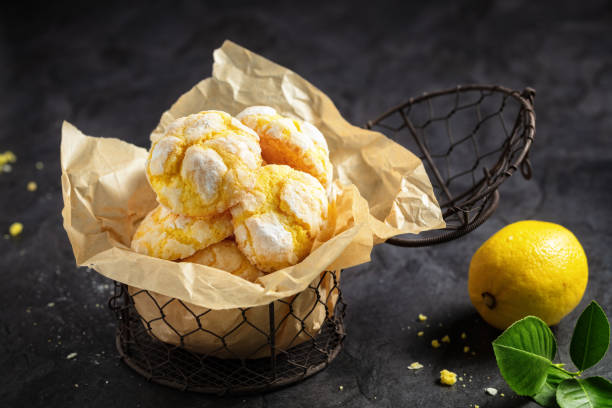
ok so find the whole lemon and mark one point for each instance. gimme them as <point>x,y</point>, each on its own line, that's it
<point>528,268</point>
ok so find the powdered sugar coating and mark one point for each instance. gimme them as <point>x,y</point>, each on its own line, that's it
<point>315,134</point>
<point>256,110</point>
<point>246,148</point>
<point>305,201</point>
<point>163,234</point>
<point>205,169</point>
<point>290,141</point>
<point>286,128</point>
<point>161,153</point>
<point>269,239</point>
<point>203,163</point>
<point>203,124</point>
<point>276,223</point>
<point>238,124</point>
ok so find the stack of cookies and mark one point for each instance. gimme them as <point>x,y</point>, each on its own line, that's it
<point>247,195</point>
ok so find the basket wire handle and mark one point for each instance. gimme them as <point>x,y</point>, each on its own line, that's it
<point>427,155</point>
<point>526,169</point>
<point>466,208</point>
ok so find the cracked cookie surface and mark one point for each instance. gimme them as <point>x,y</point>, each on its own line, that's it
<point>226,256</point>
<point>203,163</point>
<point>277,221</point>
<point>289,141</point>
<point>163,234</point>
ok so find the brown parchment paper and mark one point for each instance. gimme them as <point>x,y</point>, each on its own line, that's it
<point>381,190</point>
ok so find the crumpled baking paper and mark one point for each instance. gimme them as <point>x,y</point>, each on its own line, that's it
<point>381,190</point>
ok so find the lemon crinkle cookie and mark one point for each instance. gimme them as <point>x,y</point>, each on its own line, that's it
<point>226,256</point>
<point>202,163</point>
<point>289,141</point>
<point>163,234</point>
<point>276,223</point>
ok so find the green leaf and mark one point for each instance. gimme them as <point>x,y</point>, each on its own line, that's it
<point>524,353</point>
<point>591,337</point>
<point>593,392</point>
<point>547,396</point>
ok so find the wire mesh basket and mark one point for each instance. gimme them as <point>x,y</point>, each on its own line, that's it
<point>170,342</point>
<point>470,138</point>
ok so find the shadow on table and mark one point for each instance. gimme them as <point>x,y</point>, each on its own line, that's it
<point>461,323</point>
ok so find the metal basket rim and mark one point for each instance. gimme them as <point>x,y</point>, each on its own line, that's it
<point>525,98</point>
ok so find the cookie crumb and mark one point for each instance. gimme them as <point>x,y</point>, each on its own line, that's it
<point>39,165</point>
<point>463,336</point>
<point>415,366</point>
<point>446,339</point>
<point>6,158</point>
<point>15,229</point>
<point>491,391</point>
<point>32,186</point>
<point>71,356</point>
<point>341,387</point>
<point>435,343</point>
<point>466,349</point>
<point>422,317</point>
<point>448,377</point>
<point>420,334</point>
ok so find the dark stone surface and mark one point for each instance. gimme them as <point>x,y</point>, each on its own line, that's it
<point>112,70</point>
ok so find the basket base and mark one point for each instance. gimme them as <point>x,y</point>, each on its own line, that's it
<point>178,368</point>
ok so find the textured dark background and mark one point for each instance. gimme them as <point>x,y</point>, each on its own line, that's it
<point>111,70</point>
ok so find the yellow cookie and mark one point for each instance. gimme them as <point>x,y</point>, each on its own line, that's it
<point>226,256</point>
<point>275,224</point>
<point>166,235</point>
<point>290,141</point>
<point>200,166</point>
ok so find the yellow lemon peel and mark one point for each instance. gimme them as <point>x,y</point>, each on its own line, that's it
<point>528,268</point>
